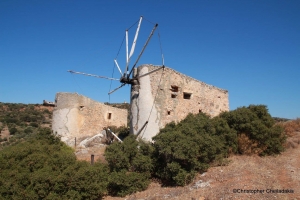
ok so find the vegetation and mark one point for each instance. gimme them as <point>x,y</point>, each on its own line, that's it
<point>256,129</point>
<point>291,126</point>
<point>192,145</point>
<point>131,166</point>
<point>121,131</point>
<point>43,167</point>
<point>22,120</point>
<point>37,165</point>
<point>184,149</point>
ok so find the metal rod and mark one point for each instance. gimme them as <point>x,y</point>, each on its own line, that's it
<point>73,72</point>
<point>117,88</point>
<point>142,128</point>
<point>144,47</point>
<point>150,72</point>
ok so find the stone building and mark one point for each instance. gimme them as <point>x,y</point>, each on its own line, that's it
<point>76,116</point>
<point>167,95</point>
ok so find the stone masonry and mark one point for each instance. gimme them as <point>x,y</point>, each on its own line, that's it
<point>76,116</point>
<point>167,95</point>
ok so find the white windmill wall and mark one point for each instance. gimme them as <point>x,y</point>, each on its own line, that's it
<point>155,98</point>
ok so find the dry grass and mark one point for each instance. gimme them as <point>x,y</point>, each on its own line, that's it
<point>291,127</point>
<point>292,131</point>
<point>247,146</point>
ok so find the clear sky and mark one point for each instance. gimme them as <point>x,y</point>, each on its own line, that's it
<point>249,47</point>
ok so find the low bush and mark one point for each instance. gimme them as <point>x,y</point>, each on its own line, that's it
<point>43,167</point>
<point>130,164</point>
<point>13,130</point>
<point>256,129</point>
<point>189,147</point>
<point>122,183</point>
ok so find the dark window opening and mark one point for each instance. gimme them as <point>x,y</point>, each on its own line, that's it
<point>174,88</point>
<point>187,95</point>
<point>109,115</point>
<point>169,112</point>
<point>173,96</point>
<point>200,111</point>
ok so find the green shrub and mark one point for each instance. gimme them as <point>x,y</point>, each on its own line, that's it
<point>28,130</point>
<point>256,129</point>
<point>184,149</point>
<point>122,183</point>
<point>13,130</point>
<point>34,124</point>
<point>43,167</point>
<point>123,132</point>
<point>83,181</point>
<point>131,155</point>
<point>130,164</point>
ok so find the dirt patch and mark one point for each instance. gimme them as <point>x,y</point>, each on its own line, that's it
<point>4,133</point>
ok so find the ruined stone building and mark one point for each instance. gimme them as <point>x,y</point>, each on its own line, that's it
<point>158,98</point>
<point>76,116</point>
<point>167,95</point>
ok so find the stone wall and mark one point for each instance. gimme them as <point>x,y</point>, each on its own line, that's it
<point>167,95</point>
<point>76,116</point>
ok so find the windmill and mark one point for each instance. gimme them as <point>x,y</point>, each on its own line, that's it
<point>128,76</point>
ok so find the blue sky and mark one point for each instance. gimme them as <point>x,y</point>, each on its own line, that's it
<point>249,47</point>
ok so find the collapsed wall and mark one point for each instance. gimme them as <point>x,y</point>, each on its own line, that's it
<point>76,116</point>
<point>167,95</point>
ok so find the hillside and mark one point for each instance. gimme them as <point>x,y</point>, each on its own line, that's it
<point>267,175</point>
<point>18,121</point>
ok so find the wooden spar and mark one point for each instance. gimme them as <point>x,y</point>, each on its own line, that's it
<point>114,135</point>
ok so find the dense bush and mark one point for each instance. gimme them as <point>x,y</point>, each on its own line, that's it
<point>45,168</point>
<point>131,166</point>
<point>184,149</point>
<point>122,183</point>
<point>256,129</point>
